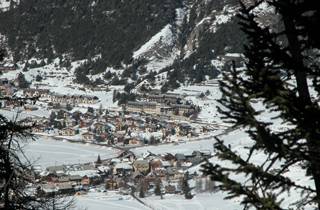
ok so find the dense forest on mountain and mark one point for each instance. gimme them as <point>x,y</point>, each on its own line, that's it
<point>108,32</point>
<point>84,28</point>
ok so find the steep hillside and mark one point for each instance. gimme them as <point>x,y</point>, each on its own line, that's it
<point>83,28</point>
<point>209,30</point>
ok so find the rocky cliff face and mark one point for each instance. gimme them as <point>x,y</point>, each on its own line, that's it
<point>181,39</point>
<point>188,49</point>
<point>204,18</point>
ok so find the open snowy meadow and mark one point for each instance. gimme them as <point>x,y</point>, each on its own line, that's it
<point>49,152</point>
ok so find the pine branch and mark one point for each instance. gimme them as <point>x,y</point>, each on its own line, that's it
<point>237,189</point>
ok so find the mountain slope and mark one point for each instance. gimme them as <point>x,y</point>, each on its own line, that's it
<point>141,38</point>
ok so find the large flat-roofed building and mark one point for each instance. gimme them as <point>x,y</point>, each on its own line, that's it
<point>163,98</point>
<point>31,92</point>
<point>181,108</point>
<point>147,107</point>
<point>160,109</point>
<point>74,99</point>
<point>7,68</point>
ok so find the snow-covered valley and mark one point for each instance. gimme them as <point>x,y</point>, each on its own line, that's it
<point>46,151</point>
<point>155,105</point>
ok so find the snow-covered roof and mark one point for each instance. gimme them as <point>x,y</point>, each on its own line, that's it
<point>123,165</point>
<point>82,173</point>
<point>103,168</point>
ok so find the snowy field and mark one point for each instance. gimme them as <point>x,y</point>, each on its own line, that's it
<point>213,201</point>
<point>102,201</point>
<point>109,201</point>
<point>48,152</point>
<point>185,147</point>
<point>19,114</point>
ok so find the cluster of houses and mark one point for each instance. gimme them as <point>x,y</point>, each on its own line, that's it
<point>73,99</point>
<point>113,128</point>
<point>152,119</point>
<point>153,103</point>
<point>128,173</point>
<point>8,88</point>
<point>139,123</point>
<point>61,99</point>
<point>4,68</point>
<point>162,104</point>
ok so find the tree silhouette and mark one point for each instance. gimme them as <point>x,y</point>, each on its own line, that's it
<point>16,171</point>
<point>99,160</point>
<point>186,189</point>
<point>157,190</point>
<point>281,76</point>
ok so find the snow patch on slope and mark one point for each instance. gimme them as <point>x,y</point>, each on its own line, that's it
<point>224,17</point>
<point>5,4</point>
<point>159,51</point>
<point>165,36</point>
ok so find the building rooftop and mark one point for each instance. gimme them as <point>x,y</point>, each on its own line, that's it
<point>140,103</point>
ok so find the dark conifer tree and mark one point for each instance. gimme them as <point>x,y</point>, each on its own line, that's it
<point>141,191</point>
<point>282,68</point>
<point>99,160</point>
<point>157,190</point>
<point>22,82</point>
<point>186,189</point>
